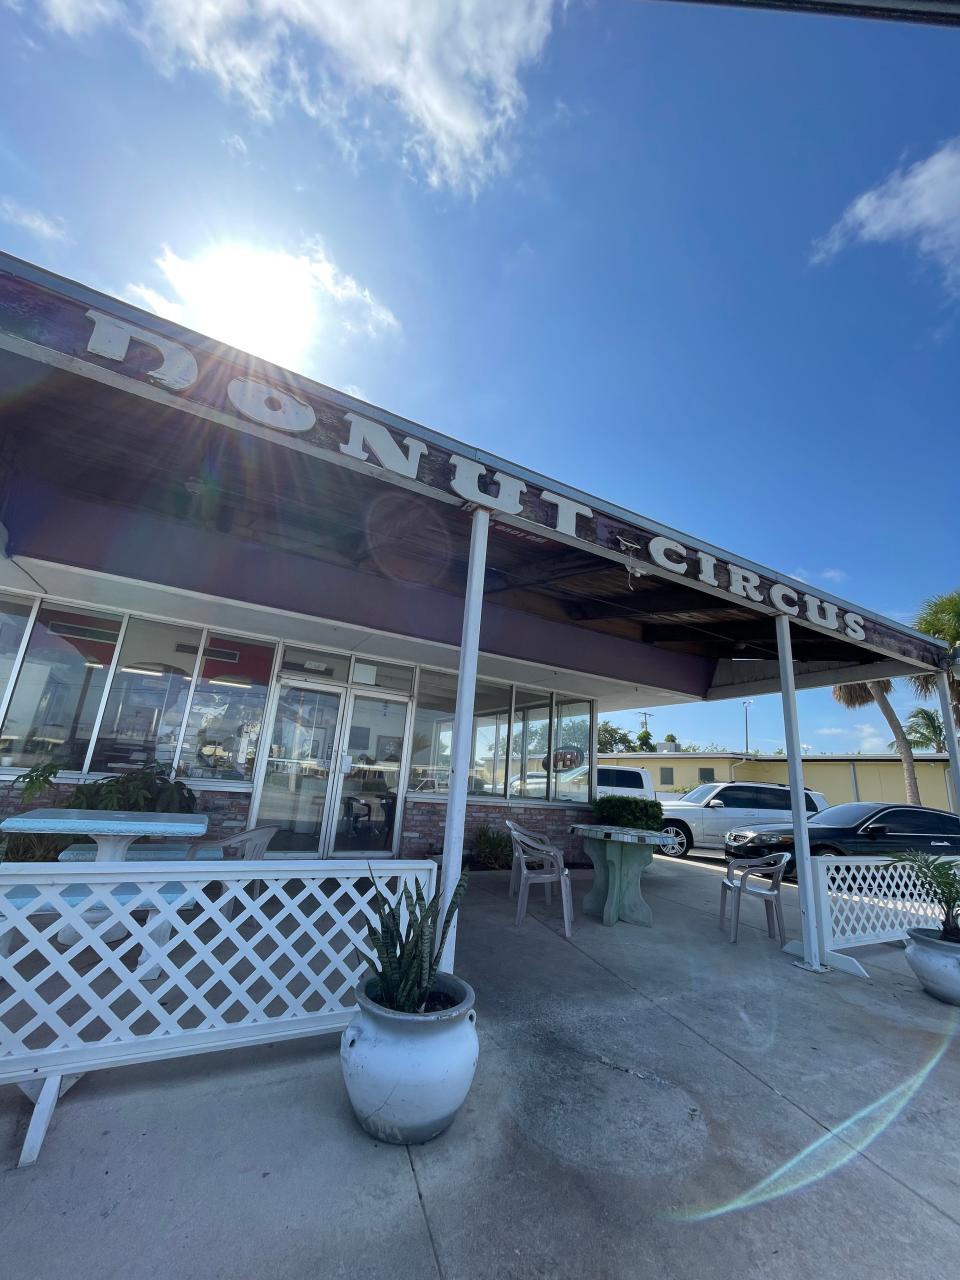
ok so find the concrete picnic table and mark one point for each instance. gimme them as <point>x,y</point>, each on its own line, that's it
<point>113,832</point>
<point>619,855</point>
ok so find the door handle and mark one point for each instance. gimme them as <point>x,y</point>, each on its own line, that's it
<point>940,844</point>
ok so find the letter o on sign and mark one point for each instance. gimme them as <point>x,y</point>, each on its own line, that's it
<point>270,405</point>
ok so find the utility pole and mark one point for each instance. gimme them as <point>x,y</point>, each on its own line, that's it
<point>747,703</point>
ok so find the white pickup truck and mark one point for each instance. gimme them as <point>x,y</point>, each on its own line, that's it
<point>701,818</point>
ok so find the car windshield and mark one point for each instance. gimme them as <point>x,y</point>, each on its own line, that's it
<point>842,815</point>
<point>701,793</point>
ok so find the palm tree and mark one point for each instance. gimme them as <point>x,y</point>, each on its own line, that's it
<point>852,696</point>
<point>924,730</point>
<point>940,617</point>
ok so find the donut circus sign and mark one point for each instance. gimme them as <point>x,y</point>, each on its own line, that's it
<point>370,441</point>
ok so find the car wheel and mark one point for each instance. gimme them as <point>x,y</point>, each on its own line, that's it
<point>680,840</point>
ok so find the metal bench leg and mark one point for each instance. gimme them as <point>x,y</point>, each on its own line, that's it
<point>514,876</point>
<point>522,899</point>
<point>780,928</point>
<point>44,1103</point>
<point>566,897</point>
<point>735,914</point>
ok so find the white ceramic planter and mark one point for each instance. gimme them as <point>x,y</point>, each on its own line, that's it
<point>936,963</point>
<point>408,1074</point>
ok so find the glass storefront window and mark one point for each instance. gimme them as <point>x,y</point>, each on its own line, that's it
<point>223,727</point>
<point>383,675</point>
<point>491,727</point>
<point>14,616</point>
<point>530,745</point>
<point>148,697</point>
<point>312,664</point>
<point>433,732</point>
<point>59,688</point>
<point>571,750</point>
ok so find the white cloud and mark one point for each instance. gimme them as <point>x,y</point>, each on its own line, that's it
<point>269,302</point>
<point>866,738</point>
<point>449,68</point>
<point>919,205</point>
<point>32,220</point>
<point>820,575</point>
<point>236,146</point>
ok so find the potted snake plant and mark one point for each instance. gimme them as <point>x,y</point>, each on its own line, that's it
<point>934,954</point>
<point>410,1054</point>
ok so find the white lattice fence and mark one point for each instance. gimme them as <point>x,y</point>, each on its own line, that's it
<point>123,962</point>
<point>863,901</point>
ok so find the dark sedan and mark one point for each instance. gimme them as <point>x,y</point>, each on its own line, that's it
<point>855,829</point>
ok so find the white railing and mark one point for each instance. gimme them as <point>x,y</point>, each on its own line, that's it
<point>110,963</point>
<point>863,901</point>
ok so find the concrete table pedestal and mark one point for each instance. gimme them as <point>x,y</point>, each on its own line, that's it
<point>619,855</point>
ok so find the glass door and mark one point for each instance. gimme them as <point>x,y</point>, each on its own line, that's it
<point>365,812</point>
<point>299,766</point>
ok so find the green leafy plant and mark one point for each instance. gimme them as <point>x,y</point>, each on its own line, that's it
<point>940,878</point>
<point>629,811</point>
<point>408,959</point>
<point>492,850</point>
<point>149,789</point>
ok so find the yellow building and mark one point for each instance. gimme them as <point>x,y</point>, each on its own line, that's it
<point>838,777</point>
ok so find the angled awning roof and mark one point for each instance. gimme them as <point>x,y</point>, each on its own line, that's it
<point>140,448</point>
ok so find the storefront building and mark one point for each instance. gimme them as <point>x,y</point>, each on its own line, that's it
<point>332,620</point>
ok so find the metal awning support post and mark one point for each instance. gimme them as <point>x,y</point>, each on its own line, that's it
<point>950,733</point>
<point>809,948</point>
<point>462,746</point>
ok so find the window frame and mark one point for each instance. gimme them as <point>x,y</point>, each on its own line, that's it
<point>37,600</point>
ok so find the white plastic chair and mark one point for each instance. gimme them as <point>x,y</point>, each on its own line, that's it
<point>251,844</point>
<point>768,873</point>
<point>536,861</point>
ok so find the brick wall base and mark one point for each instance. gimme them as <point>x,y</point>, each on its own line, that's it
<point>422,831</point>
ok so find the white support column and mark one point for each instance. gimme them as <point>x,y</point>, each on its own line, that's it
<point>950,733</point>
<point>809,948</point>
<point>462,745</point>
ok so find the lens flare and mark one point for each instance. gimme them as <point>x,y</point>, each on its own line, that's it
<point>832,1151</point>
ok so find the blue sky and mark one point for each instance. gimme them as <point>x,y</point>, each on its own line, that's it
<point>701,261</point>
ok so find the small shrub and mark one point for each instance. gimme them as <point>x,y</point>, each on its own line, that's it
<point>492,850</point>
<point>629,811</point>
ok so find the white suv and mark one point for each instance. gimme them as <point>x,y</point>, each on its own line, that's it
<point>574,784</point>
<point>701,818</point>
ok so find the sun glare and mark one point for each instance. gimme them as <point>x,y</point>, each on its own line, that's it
<point>261,301</point>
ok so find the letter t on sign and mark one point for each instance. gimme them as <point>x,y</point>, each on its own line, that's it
<point>567,512</point>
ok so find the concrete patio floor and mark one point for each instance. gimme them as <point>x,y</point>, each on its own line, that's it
<point>633,1083</point>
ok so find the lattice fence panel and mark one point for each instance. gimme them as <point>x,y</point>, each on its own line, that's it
<point>866,900</point>
<point>119,963</point>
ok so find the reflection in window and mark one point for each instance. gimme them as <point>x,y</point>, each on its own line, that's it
<point>227,710</point>
<point>433,732</point>
<point>14,615</point>
<point>313,664</point>
<point>148,697</point>
<point>491,727</point>
<point>384,675</point>
<point>571,751</point>
<point>530,745</point>
<point>58,690</point>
